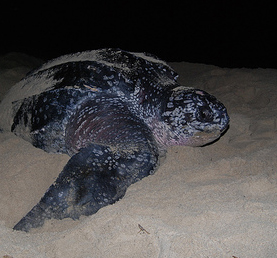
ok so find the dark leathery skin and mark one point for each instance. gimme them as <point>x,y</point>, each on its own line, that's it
<point>113,112</point>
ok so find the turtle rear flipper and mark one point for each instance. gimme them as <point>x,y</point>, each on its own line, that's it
<point>93,178</point>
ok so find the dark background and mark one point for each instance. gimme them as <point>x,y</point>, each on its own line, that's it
<point>223,33</point>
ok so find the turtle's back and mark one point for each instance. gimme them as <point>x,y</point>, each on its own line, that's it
<point>106,68</point>
<point>107,71</point>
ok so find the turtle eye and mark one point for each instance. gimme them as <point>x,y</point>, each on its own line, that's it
<point>204,114</point>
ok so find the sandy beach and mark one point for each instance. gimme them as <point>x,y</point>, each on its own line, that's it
<point>213,201</point>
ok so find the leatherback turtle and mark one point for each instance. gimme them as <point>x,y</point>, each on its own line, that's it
<point>114,112</point>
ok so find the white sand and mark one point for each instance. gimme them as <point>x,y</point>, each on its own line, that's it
<point>216,201</point>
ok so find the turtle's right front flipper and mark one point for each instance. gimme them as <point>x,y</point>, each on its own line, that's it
<point>93,178</point>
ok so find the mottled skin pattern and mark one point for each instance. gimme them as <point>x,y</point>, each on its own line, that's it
<point>113,112</point>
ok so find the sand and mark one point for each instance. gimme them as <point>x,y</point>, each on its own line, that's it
<point>213,201</point>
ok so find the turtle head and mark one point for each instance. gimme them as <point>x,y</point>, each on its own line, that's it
<point>192,117</point>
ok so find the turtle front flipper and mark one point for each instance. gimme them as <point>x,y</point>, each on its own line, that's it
<point>96,176</point>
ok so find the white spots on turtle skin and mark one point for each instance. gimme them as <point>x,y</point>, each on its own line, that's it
<point>60,194</point>
<point>109,114</point>
<point>181,88</point>
<point>149,78</point>
<point>200,92</point>
<point>170,105</point>
<point>193,112</point>
<point>106,77</point>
